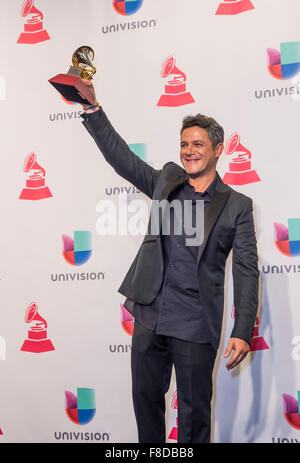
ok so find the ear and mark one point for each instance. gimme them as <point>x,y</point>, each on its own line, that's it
<point>219,149</point>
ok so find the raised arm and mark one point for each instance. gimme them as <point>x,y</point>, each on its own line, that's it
<point>116,151</point>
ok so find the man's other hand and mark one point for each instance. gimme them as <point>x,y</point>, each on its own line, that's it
<point>239,349</point>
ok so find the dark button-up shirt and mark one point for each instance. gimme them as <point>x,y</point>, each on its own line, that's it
<point>177,311</point>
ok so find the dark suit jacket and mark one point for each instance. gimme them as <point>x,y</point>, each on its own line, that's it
<point>229,225</point>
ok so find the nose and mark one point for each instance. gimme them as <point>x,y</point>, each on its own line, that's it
<point>191,150</point>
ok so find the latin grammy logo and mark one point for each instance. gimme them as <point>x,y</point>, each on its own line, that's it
<point>33,27</point>
<point>35,183</point>
<point>240,170</point>
<point>174,431</point>
<point>230,7</point>
<point>37,341</point>
<point>257,342</point>
<point>175,87</point>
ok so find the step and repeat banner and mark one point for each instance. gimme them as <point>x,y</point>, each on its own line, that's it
<point>65,337</point>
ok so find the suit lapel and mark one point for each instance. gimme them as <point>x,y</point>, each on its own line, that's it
<point>172,184</point>
<point>218,201</point>
<point>167,189</point>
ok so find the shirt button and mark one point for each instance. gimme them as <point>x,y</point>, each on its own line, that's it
<point>177,245</point>
<point>172,265</point>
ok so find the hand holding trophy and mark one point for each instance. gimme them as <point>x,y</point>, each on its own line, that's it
<point>76,85</point>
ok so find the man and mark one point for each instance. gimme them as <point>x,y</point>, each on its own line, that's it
<point>176,291</point>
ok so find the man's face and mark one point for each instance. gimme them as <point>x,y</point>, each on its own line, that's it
<point>197,155</point>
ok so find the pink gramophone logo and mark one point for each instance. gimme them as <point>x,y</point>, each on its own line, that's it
<point>35,182</point>
<point>174,431</point>
<point>240,170</point>
<point>257,342</point>
<point>230,7</point>
<point>175,86</point>
<point>37,340</point>
<point>34,31</point>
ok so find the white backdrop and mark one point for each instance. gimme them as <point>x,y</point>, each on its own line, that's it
<point>224,61</point>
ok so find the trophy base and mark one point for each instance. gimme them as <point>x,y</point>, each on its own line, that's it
<point>45,345</point>
<point>33,37</point>
<point>179,99</point>
<point>241,178</point>
<point>35,193</point>
<point>258,344</point>
<point>69,87</point>
<point>234,7</point>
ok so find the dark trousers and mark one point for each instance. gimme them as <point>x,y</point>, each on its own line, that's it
<point>152,357</point>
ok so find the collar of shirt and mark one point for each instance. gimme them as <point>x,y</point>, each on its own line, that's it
<point>209,190</point>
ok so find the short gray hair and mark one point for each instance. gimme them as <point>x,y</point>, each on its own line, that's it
<point>214,131</point>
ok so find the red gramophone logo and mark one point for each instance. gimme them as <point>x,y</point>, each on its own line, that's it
<point>230,7</point>
<point>257,342</point>
<point>174,404</point>
<point>34,31</point>
<point>240,170</point>
<point>175,86</point>
<point>37,340</point>
<point>35,182</point>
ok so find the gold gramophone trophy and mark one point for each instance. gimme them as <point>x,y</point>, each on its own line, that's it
<point>70,85</point>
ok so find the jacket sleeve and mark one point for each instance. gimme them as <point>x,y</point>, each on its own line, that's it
<point>245,274</point>
<point>118,154</point>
